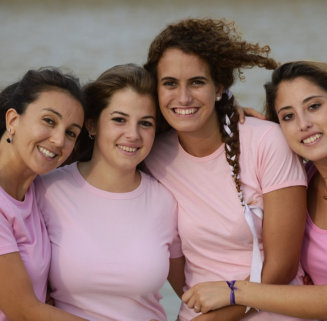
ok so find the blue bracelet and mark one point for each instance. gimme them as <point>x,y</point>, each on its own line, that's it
<point>232,288</point>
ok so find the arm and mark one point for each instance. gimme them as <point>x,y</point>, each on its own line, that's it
<point>247,111</point>
<point>307,301</point>
<point>283,229</point>
<point>17,298</point>
<point>176,276</point>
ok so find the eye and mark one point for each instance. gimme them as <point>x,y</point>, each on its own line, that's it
<point>287,117</point>
<point>49,121</point>
<point>314,107</point>
<point>197,82</point>
<point>146,123</point>
<point>119,120</point>
<point>169,83</point>
<point>71,133</point>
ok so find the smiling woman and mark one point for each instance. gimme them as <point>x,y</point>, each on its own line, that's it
<point>41,117</point>
<point>106,218</point>
<point>234,184</point>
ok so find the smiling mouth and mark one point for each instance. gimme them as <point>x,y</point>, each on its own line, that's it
<point>311,139</point>
<point>46,152</point>
<point>127,148</point>
<point>185,111</point>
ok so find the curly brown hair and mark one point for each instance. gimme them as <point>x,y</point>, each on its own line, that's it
<point>218,43</point>
<point>316,72</point>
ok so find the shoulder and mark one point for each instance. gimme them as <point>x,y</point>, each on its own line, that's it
<point>156,189</point>
<point>59,174</point>
<point>258,126</point>
<point>259,132</point>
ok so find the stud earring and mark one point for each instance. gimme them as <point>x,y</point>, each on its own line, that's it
<point>91,136</point>
<point>218,98</point>
<point>9,139</point>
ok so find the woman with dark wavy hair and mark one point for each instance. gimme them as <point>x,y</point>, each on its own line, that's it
<point>240,189</point>
<point>296,98</point>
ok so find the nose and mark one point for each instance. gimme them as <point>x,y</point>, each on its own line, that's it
<point>184,95</point>
<point>132,132</point>
<point>58,137</point>
<point>304,123</point>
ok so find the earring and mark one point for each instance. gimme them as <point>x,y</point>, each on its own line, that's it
<point>218,98</point>
<point>91,136</point>
<point>9,140</point>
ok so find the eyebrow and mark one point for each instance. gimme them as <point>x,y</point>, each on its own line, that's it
<point>126,115</point>
<point>192,78</point>
<point>60,116</point>
<point>303,102</point>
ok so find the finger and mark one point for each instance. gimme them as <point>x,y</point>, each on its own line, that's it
<point>197,308</point>
<point>187,295</point>
<point>252,112</point>
<point>241,114</point>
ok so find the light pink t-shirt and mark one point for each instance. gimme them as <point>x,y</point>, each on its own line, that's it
<point>216,239</point>
<point>110,251</point>
<point>22,230</point>
<point>314,250</point>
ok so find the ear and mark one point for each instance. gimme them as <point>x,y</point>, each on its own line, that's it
<point>90,125</point>
<point>219,90</point>
<point>12,120</point>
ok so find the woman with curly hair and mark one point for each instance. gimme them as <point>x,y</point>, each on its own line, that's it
<point>240,189</point>
<point>297,99</point>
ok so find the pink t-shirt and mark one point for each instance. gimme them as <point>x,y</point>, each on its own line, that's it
<point>22,230</point>
<point>216,239</point>
<point>110,251</point>
<point>314,250</point>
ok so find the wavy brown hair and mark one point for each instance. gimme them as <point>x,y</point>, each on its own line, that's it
<point>316,72</point>
<point>218,43</point>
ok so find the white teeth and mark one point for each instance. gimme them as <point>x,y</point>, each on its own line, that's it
<point>127,149</point>
<point>46,152</point>
<point>311,139</point>
<point>184,111</point>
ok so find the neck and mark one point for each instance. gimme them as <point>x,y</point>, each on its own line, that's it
<point>321,168</point>
<point>15,177</point>
<point>200,144</point>
<point>108,179</point>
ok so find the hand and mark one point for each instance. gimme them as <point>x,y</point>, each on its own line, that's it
<point>247,111</point>
<point>207,296</point>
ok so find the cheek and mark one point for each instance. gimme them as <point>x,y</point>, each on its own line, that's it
<point>69,146</point>
<point>290,134</point>
<point>163,96</point>
<point>148,137</point>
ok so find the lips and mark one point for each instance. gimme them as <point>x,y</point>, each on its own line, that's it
<point>311,139</point>
<point>185,111</point>
<point>46,152</point>
<point>128,148</point>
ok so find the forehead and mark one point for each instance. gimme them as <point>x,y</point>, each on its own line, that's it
<point>60,101</point>
<point>131,102</point>
<point>298,87</point>
<point>175,61</point>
